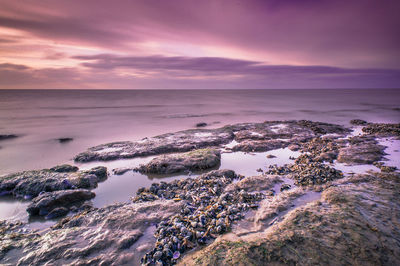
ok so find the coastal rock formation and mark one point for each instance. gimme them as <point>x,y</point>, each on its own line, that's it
<point>362,150</point>
<point>307,171</point>
<point>259,145</point>
<point>29,184</point>
<point>57,203</point>
<point>343,227</point>
<point>95,237</point>
<point>381,129</point>
<point>189,161</point>
<point>187,140</point>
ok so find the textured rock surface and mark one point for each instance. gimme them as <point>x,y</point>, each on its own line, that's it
<point>29,184</point>
<point>362,150</point>
<point>187,140</point>
<point>173,163</point>
<point>110,235</point>
<point>344,227</point>
<point>46,202</point>
<point>381,129</point>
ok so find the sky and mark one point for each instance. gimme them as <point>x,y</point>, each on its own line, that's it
<point>192,44</point>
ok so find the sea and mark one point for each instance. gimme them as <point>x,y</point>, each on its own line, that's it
<point>93,117</point>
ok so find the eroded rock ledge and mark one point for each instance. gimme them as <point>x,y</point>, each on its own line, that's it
<point>29,184</point>
<point>255,137</point>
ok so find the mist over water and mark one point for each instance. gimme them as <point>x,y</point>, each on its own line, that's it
<point>93,117</point>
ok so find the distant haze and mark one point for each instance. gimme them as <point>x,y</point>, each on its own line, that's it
<point>207,44</point>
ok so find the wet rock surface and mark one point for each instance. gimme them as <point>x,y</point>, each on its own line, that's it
<point>306,171</point>
<point>361,150</point>
<point>30,184</point>
<point>57,203</point>
<point>8,136</point>
<point>343,227</point>
<point>189,161</point>
<point>381,129</point>
<point>358,122</point>
<point>187,140</point>
<point>221,218</point>
<point>173,142</point>
<point>259,145</point>
<point>105,236</point>
<point>208,211</point>
<point>65,140</point>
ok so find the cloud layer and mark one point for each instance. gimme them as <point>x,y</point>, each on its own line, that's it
<point>197,44</point>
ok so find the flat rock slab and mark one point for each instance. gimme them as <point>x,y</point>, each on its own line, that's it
<point>189,161</point>
<point>192,139</point>
<point>30,184</point>
<point>362,150</point>
<point>57,203</point>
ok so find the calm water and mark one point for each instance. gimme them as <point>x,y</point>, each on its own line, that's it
<point>95,117</point>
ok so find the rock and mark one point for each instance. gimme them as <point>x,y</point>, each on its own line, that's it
<point>187,140</point>
<point>173,163</point>
<point>121,171</point>
<point>259,145</point>
<point>57,212</point>
<point>9,136</point>
<point>104,236</point>
<point>47,203</point>
<point>344,217</point>
<point>306,171</point>
<point>65,140</point>
<point>294,147</point>
<point>285,187</point>
<point>201,124</point>
<point>361,151</point>
<point>32,183</point>
<point>358,122</point>
<point>64,168</point>
<point>381,129</point>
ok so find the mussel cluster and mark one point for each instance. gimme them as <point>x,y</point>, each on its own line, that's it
<point>207,212</point>
<point>306,171</point>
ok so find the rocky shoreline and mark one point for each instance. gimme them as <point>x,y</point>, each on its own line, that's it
<point>282,216</point>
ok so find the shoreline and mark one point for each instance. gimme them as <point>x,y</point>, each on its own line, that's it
<point>320,146</point>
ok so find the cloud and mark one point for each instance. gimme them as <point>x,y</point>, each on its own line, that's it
<point>347,33</point>
<point>160,72</point>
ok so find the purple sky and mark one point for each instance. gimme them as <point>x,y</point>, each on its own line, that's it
<point>178,44</point>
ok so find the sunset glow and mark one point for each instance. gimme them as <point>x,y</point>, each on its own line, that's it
<point>218,44</point>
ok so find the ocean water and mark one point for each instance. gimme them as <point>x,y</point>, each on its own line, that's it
<point>93,117</point>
